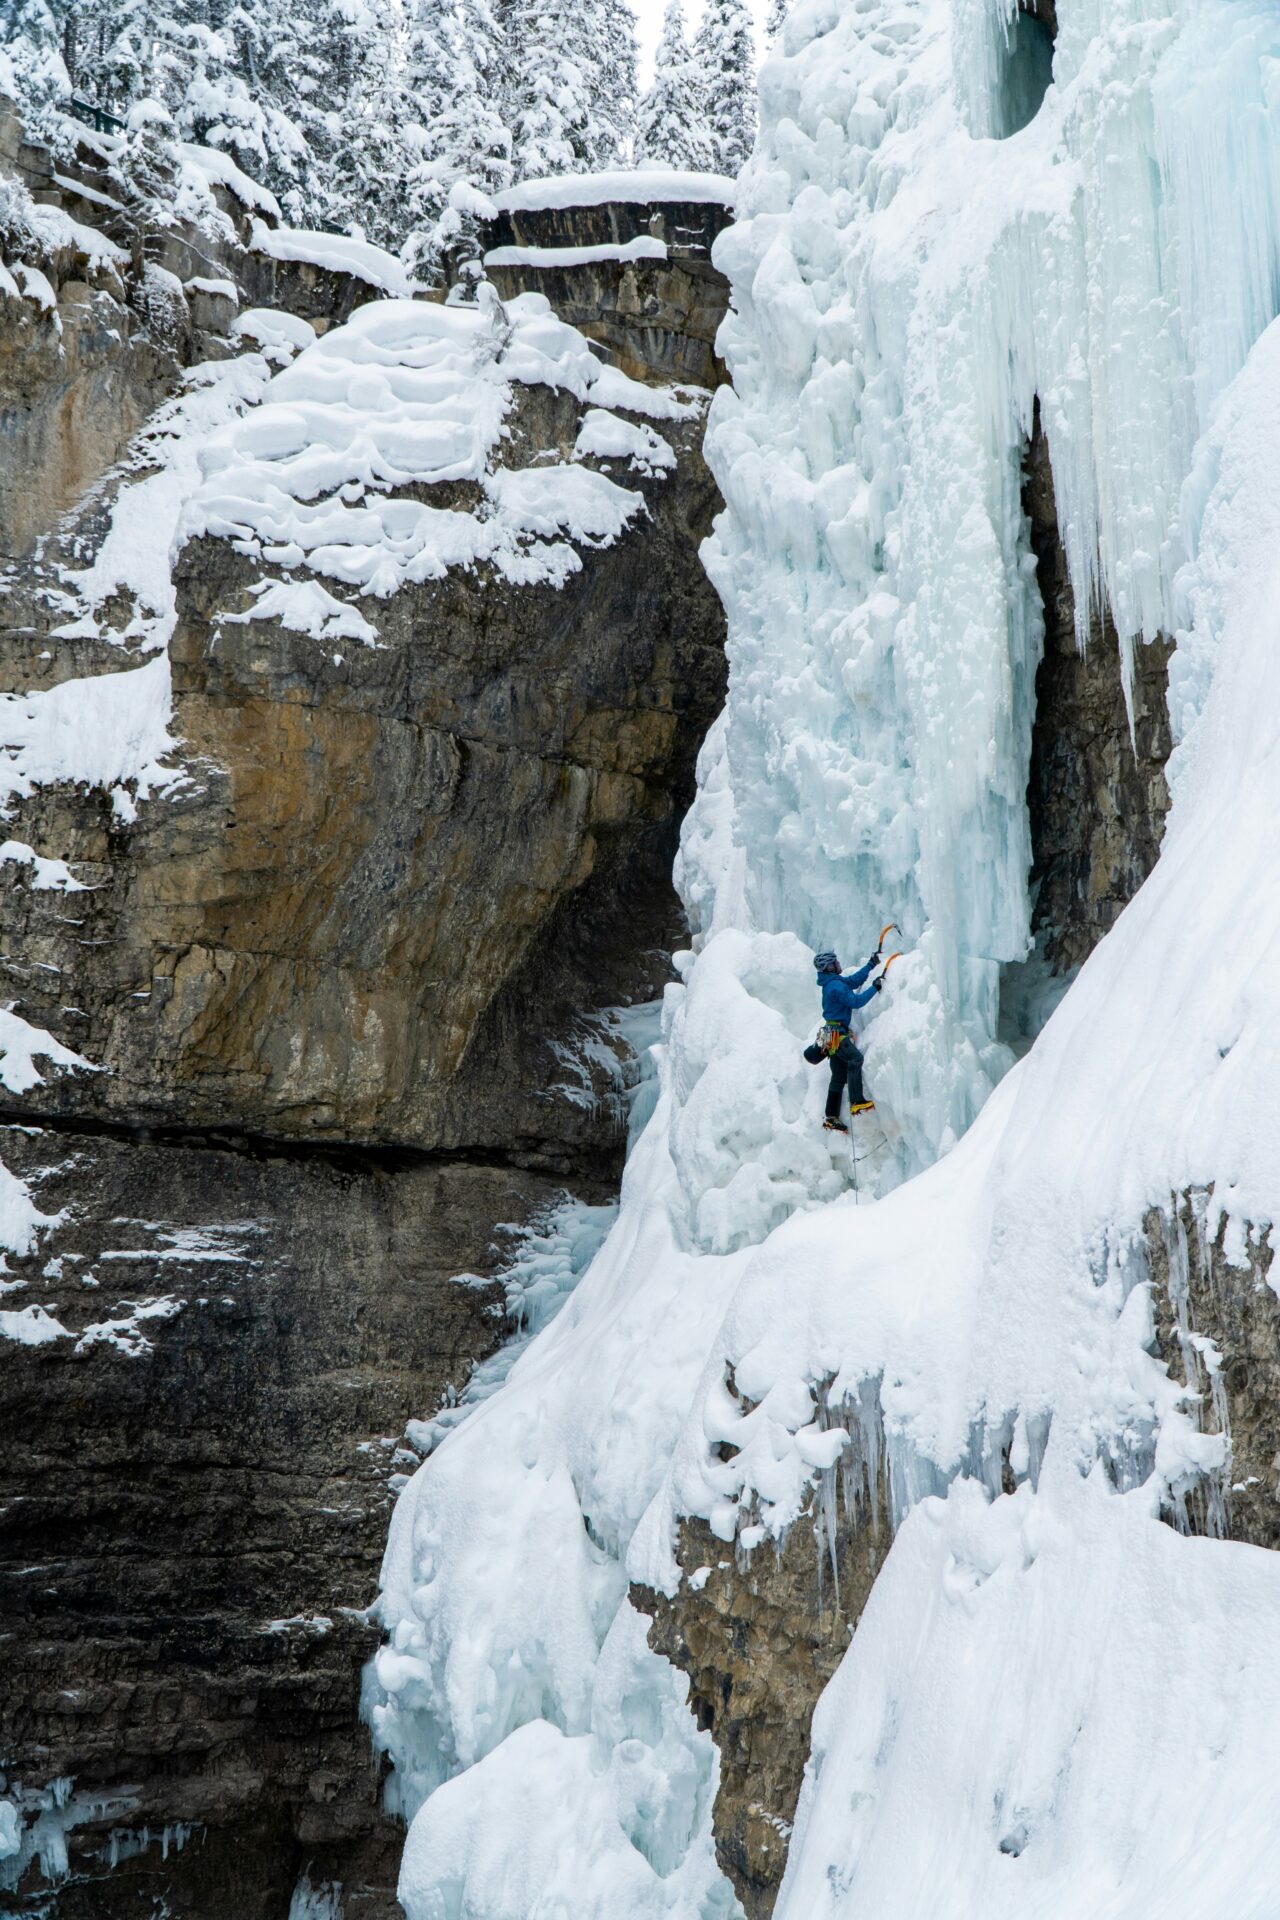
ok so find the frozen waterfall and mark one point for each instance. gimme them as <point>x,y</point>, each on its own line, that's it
<point>1054,1703</point>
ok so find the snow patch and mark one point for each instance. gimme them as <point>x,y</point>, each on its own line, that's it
<point>277,335</point>
<point>645,185</point>
<point>31,1327</point>
<point>337,253</point>
<point>56,230</point>
<point>125,1332</point>
<point>603,436</point>
<point>107,730</point>
<point>46,875</point>
<point>643,247</point>
<point>21,1045</point>
<point>220,170</point>
<point>304,606</point>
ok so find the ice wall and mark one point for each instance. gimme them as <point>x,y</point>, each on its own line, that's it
<point>906,284</point>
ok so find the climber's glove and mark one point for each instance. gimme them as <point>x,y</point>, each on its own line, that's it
<point>880,984</point>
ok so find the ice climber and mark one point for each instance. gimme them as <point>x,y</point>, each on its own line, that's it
<point>840,999</point>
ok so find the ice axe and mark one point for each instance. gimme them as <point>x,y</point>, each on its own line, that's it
<point>892,927</point>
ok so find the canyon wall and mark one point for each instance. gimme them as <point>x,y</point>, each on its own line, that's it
<point>340,997</point>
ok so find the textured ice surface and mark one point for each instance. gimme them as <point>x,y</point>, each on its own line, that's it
<point>902,293</point>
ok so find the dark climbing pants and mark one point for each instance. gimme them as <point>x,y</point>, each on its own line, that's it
<point>846,1070</point>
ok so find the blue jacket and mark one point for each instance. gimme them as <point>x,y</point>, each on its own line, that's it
<point>840,997</point>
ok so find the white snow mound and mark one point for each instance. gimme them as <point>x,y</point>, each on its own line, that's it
<point>413,392</point>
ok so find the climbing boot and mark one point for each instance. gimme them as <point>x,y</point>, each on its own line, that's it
<point>834,1126</point>
<point>863,1106</point>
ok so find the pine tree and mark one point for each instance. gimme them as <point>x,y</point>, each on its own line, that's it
<point>725,53</point>
<point>394,115</point>
<point>552,87</point>
<point>241,75</point>
<point>612,83</point>
<point>571,100</point>
<point>671,125</point>
<point>32,37</point>
<point>455,78</point>
<point>778,11</point>
<point>369,125</point>
<point>283,72</point>
<point>206,77</point>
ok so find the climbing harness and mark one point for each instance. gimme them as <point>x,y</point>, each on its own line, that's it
<point>826,1042</point>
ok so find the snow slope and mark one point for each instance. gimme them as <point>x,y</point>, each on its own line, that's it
<point>1054,1704</point>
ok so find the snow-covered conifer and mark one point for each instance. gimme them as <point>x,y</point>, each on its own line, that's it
<point>370,125</point>
<point>553,55</point>
<point>456,81</point>
<point>777,20</point>
<point>612,83</point>
<point>725,53</point>
<point>671,125</point>
<point>571,97</point>
<point>31,42</point>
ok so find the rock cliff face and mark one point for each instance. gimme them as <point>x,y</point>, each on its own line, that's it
<point>337,983</point>
<point>196,1496</point>
<point>1217,1319</point>
<point>396,873</point>
<point>1097,793</point>
<point>654,316</point>
<point>80,368</point>
<point>759,1635</point>
<point>134,293</point>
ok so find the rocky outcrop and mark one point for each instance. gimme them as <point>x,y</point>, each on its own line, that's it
<point>343,985</point>
<point>80,366</point>
<point>396,872</point>
<point>759,1634</point>
<point>128,296</point>
<point>1217,1325</point>
<point>657,316</point>
<point>1097,794</point>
